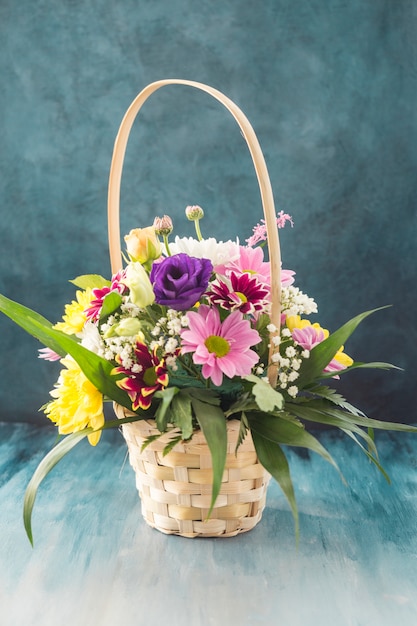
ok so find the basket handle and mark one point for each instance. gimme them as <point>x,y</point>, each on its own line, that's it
<point>260,170</point>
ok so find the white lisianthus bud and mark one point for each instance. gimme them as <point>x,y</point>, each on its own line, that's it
<point>137,280</point>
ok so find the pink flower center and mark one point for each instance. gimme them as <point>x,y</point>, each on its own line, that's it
<point>217,345</point>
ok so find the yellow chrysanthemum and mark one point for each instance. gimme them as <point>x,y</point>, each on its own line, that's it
<point>343,358</point>
<point>74,317</point>
<point>295,321</point>
<point>78,404</point>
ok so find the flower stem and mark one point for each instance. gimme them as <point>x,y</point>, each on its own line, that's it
<point>165,238</point>
<point>197,230</point>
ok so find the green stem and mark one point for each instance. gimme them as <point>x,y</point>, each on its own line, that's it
<point>165,237</point>
<point>197,230</point>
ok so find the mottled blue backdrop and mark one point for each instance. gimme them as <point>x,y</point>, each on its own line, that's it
<point>330,88</point>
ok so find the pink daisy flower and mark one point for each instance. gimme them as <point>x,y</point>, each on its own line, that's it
<point>310,336</point>
<point>220,347</point>
<point>239,292</point>
<point>251,261</point>
<point>94,310</point>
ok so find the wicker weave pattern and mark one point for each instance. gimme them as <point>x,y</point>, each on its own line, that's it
<point>175,490</point>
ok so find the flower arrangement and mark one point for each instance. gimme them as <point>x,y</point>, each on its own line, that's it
<point>183,334</point>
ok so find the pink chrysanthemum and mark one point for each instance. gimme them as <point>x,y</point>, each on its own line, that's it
<point>239,292</point>
<point>94,309</point>
<point>220,347</point>
<point>147,376</point>
<point>309,336</point>
<point>251,261</point>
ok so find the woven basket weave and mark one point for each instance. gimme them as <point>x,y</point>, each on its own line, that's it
<point>175,490</point>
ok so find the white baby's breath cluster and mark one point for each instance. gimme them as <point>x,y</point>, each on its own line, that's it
<point>120,345</point>
<point>167,335</point>
<point>288,359</point>
<point>295,302</point>
<point>109,347</point>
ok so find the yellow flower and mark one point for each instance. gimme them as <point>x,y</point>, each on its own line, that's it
<point>324,330</point>
<point>295,321</point>
<point>77,405</point>
<point>343,358</point>
<point>74,317</point>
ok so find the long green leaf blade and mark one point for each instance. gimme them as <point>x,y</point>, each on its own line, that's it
<point>287,433</point>
<point>321,355</point>
<point>95,368</point>
<point>161,414</point>
<point>313,410</point>
<point>51,459</point>
<point>181,414</point>
<point>212,422</point>
<point>43,469</point>
<point>275,462</point>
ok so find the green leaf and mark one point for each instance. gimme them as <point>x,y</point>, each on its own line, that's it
<point>287,433</point>
<point>343,423</point>
<point>32,322</point>
<point>49,462</point>
<point>171,444</point>
<point>161,415</point>
<point>313,410</point>
<point>205,395</point>
<point>181,414</point>
<point>46,465</point>
<point>321,355</point>
<point>336,398</point>
<point>212,422</point>
<point>266,397</point>
<point>243,429</point>
<point>150,439</point>
<point>373,458</point>
<point>358,365</point>
<point>93,281</point>
<point>273,459</point>
<point>111,303</point>
<point>96,369</point>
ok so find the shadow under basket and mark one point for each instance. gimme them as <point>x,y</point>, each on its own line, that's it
<point>175,490</point>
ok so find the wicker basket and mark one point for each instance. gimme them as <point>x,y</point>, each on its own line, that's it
<point>175,490</point>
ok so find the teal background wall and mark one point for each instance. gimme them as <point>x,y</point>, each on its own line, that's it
<point>330,87</point>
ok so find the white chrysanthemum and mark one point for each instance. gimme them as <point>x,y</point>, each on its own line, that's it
<point>90,338</point>
<point>218,252</point>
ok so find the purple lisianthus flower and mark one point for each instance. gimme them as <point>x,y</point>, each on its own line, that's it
<point>180,280</point>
